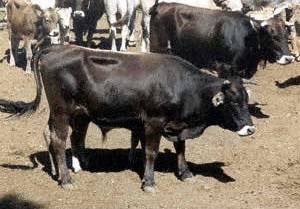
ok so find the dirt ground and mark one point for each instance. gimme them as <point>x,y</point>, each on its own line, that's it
<point>260,171</point>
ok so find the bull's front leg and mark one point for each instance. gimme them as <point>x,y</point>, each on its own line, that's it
<point>152,141</point>
<point>184,172</point>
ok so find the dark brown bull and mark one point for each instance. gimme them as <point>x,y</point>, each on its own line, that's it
<point>152,95</point>
<point>208,37</point>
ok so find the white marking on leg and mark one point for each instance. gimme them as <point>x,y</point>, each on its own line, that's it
<point>75,164</point>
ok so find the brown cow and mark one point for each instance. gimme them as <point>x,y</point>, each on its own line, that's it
<point>29,22</point>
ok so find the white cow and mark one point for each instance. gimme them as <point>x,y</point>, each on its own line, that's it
<point>126,8</point>
<point>64,14</point>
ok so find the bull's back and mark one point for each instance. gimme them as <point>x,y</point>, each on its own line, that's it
<point>105,83</point>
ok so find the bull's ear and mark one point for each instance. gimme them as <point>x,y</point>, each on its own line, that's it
<point>218,99</point>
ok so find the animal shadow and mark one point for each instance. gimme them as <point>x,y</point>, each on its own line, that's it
<point>294,81</point>
<point>116,160</point>
<point>256,111</point>
<point>13,201</point>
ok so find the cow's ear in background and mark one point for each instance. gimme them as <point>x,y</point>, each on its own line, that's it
<point>218,99</point>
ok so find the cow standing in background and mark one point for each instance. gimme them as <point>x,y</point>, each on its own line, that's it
<point>28,23</point>
<point>208,38</point>
<point>293,17</point>
<point>85,17</point>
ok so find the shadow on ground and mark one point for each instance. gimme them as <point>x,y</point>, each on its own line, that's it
<point>294,81</point>
<point>13,201</point>
<point>116,160</point>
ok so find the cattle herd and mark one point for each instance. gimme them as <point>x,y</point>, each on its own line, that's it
<point>164,93</point>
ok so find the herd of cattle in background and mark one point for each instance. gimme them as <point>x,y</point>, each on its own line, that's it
<point>151,94</point>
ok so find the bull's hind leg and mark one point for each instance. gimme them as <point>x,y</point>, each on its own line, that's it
<point>79,125</point>
<point>184,172</point>
<point>58,135</point>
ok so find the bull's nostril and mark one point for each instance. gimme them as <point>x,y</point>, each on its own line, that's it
<point>251,130</point>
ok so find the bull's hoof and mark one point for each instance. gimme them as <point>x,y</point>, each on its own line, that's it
<point>298,59</point>
<point>123,49</point>
<point>149,189</point>
<point>68,186</point>
<point>186,176</point>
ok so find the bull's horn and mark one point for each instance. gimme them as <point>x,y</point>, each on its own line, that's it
<point>247,81</point>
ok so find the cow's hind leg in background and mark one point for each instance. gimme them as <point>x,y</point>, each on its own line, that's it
<point>27,46</point>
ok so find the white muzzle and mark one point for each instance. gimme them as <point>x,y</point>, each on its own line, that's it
<point>246,131</point>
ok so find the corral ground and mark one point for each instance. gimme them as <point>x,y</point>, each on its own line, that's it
<point>260,171</point>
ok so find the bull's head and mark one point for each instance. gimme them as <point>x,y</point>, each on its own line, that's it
<point>231,105</point>
<point>275,41</point>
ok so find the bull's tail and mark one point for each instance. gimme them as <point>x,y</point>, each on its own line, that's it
<point>20,108</point>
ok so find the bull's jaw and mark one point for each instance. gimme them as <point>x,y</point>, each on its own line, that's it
<point>246,131</point>
<point>285,59</point>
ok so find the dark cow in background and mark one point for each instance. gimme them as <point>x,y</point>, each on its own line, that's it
<point>208,38</point>
<point>150,94</point>
<point>29,23</point>
<point>85,17</point>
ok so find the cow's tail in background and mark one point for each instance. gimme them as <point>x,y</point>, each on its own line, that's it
<point>20,108</point>
<point>152,10</point>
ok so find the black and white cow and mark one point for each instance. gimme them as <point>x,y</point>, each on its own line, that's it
<point>206,37</point>
<point>152,95</point>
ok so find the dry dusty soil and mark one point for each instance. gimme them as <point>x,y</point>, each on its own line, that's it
<point>260,171</point>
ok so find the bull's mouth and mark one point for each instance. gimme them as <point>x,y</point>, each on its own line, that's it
<point>285,59</point>
<point>246,131</point>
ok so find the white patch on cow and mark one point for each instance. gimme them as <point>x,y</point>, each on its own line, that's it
<point>280,8</point>
<point>79,13</point>
<point>218,99</point>
<point>264,23</point>
<point>65,16</point>
<point>285,59</point>
<point>44,4</point>
<point>249,92</point>
<point>54,36</point>
<point>246,131</point>
<point>75,164</point>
